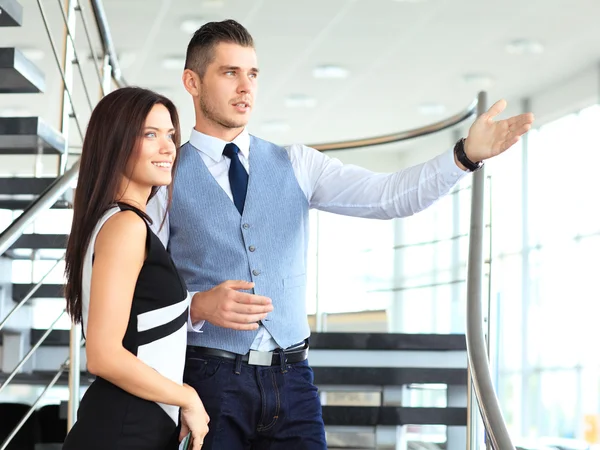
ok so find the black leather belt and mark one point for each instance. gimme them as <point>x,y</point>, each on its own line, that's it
<point>253,357</point>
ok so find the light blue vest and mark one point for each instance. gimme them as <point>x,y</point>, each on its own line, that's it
<point>210,242</point>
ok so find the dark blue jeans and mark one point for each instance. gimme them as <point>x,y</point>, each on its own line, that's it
<point>258,408</point>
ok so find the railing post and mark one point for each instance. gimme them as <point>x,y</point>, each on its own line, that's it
<point>106,74</point>
<point>69,59</point>
<point>479,369</point>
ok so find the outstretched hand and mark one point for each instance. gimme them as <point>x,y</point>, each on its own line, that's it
<point>488,138</point>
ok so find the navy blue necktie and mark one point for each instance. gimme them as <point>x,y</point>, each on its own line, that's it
<point>238,177</point>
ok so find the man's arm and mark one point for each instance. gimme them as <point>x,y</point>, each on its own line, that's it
<point>354,191</point>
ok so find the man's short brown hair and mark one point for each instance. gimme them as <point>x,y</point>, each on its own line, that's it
<point>201,49</point>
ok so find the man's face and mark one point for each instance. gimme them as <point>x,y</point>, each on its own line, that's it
<point>228,88</point>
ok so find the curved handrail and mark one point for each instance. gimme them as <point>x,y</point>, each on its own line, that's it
<point>107,42</point>
<point>476,344</point>
<point>403,135</point>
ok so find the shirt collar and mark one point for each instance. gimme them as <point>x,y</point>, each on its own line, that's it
<point>213,147</point>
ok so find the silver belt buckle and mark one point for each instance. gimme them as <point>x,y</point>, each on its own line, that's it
<point>256,358</point>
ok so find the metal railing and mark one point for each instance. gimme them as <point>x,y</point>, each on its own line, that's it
<point>478,363</point>
<point>479,368</point>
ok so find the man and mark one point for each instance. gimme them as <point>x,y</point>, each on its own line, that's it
<point>240,212</point>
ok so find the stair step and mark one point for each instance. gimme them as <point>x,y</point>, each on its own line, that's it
<point>18,75</point>
<point>41,241</point>
<point>23,135</point>
<point>20,290</point>
<point>11,13</point>
<point>20,205</point>
<point>388,376</point>
<point>24,186</point>
<point>368,416</point>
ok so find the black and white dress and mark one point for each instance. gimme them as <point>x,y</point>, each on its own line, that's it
<point>109,417</point>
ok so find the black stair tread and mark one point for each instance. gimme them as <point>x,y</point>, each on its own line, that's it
<point>388,376</point>
<point>20,205</point>
<point>24,186</point>
<point>392,415</point>
<point>41,241</point>
<point>11,13</point>
<point>18,75</point>
<point>388,341</point>
<point>23,135</point>
<point>20,290</point>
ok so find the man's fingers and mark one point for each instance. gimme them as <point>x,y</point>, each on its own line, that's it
<point>245,309</point>
<point>521,119</point>
<point>241,327</point>
<point>496,108</point>
<point>252,299</point>
<point>245,319</point>
<point>237,284</point>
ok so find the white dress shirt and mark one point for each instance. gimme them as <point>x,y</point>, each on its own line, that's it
<point>329,186</point>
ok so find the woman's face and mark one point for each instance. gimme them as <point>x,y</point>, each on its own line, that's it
<point>152,161</point>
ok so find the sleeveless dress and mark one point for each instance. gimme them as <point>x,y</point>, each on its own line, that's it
<point>109,417</point>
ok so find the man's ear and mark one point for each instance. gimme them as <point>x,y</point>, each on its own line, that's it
<point>191,82</point>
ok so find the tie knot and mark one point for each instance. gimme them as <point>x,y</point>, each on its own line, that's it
<point>231,150</point>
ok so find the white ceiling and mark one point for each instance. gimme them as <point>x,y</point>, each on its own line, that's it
<point>399,54</point>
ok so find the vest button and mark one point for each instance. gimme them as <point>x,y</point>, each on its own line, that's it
<point>252,248</point>
<point>256,272</point>
<point>246,226</point>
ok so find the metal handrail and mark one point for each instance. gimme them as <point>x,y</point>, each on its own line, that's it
<point>69,35</point>
<point>31,352</point>
<point>107,42</point>
<point>479,368</point>
<point>86,29</point>
<point>62,72</point>
<point>403,135</point>
<point>54,192</point>
<point>33,290</point>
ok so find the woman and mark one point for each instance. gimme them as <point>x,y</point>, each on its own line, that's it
<point>122,285</point>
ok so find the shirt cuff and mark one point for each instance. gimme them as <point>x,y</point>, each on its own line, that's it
<point>193,327</point>
<point>448,168</point>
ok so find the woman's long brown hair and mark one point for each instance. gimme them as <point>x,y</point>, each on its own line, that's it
<point>113,134</point>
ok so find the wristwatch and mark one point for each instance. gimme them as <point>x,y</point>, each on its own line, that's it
<point>459,151</point>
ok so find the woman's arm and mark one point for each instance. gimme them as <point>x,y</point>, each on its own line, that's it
<point>119,256</point>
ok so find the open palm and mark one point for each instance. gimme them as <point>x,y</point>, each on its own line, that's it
<point>488,137</point>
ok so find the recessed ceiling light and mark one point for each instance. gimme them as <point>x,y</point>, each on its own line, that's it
<point>190,26</point>
<point>479,80</point>
<point>173,63</point>
<point>275,126</point>
<point>524,47</point>
<point>432,109</point>
<point>300,101</point>
<point>33,54</point>
<point>329,71</point>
